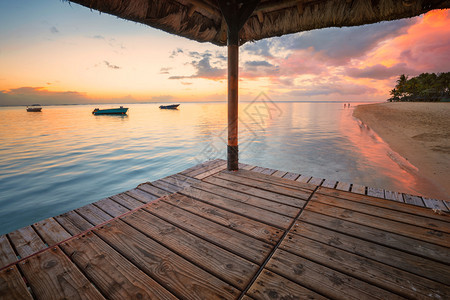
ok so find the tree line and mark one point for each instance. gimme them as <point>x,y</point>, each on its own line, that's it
<point>424,87</point>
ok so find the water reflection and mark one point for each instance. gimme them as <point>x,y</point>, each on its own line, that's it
<point>65,157</point>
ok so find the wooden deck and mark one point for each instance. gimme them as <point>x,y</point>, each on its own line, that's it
<point>258,233</point>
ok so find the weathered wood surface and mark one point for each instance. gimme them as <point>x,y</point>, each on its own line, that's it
<point>207,232</point>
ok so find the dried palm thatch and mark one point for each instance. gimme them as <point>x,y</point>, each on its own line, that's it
<point>202,20</point>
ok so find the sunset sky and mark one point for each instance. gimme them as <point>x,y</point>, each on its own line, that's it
<point>53,52</point>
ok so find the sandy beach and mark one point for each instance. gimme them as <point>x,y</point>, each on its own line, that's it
<point>420,132</point>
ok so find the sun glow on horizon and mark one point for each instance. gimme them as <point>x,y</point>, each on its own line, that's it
<point>77,56</point>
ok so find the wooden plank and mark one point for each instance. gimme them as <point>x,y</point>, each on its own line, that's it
<point>211,172</point>
<point>385,203</point>
<point>303,178</point>
<point>141,195</point>
<point>386,213</point>
<point>343,186</point>
<point>111,207</point>
<point>127,201</point>
<point>315,181</point>
<point>258,169</point>
<point>269,191</point>
<point>51,231</point>
<point>216,260</point>
<point>93,214</point>
<point>202,165</point>
<point>373,250</point>
<point>321,279</point>
<point>273,180</point>
<point>268,171</point>
<point>243,245</point>
<point>375,192</point>
<point>291,176</point>
<point>115,276</point>
<point>12,285</point>
<point>7,255</point>
<point>168,187</point>
<point>147,187</point>
<point>26,241</point>
<point>424,234</point>
<point>358,189</point>
<point>261,231</point>
<point>206,169</point>
<point>415,200</point>
<point>73,222</point>
<point>244,209</point>
<point>400,242</point>
<point>181,180</point>
<point>279,174</point>
<point>435,204</point>
<point>396,196</point>
<point>246,167</point>
<point>184,279</point>
<point>329,183</point>
<point>269,205</point>
<point>392,279</point>
<point>52,275</point>
<point>269,286</point>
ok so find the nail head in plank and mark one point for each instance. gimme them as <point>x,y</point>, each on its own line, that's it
<point>52,275</point>
<point>12,285</point>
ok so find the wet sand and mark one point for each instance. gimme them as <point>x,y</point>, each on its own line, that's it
<point>420,132</point>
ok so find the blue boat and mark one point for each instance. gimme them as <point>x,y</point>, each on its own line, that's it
<point>172,106</point>
<point>111,111</point>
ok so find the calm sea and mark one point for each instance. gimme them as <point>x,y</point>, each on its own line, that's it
<point>65,157</point>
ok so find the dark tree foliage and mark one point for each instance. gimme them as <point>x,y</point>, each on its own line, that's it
<point>425,87</point>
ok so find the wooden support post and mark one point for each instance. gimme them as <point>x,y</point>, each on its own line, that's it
<point>233,102</point>
<point>235,13</point>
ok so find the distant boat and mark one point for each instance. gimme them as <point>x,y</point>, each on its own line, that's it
<point>111,111</point>
<point>34,108</point>
<point>172,106</point>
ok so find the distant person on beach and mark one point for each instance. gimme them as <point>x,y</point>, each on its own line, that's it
<point>345,105</point>
<point>348,105</point>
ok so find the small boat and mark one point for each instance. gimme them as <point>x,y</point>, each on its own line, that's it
<point>34,108</point>
<point>111,111</point>
<point>172,106</point>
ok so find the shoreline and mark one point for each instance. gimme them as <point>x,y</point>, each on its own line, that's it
<point>420,133</point>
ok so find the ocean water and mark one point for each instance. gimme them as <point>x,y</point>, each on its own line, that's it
<point>65,157</point>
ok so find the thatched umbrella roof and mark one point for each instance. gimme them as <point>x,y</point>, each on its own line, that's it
<point>201,20</point>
